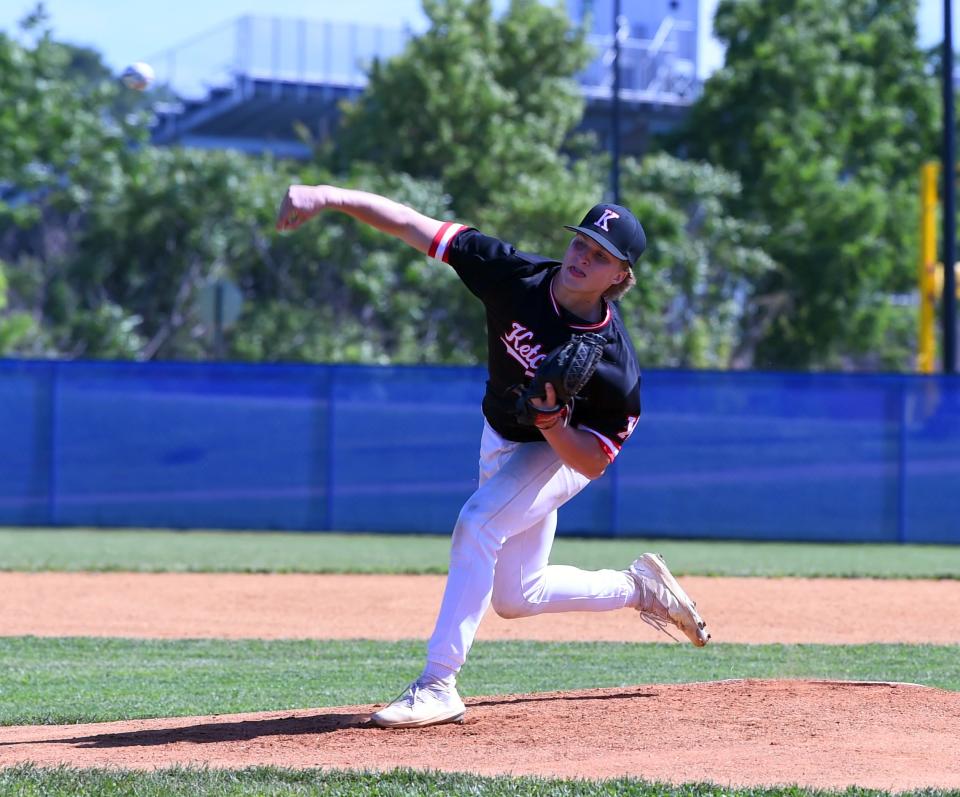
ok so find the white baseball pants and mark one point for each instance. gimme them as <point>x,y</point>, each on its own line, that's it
<point>501,546</point>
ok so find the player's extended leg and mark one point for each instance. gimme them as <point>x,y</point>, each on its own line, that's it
<point>520,485</point>
<point>526,584</point>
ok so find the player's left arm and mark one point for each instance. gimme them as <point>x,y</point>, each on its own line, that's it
<point>593,444</point>
<point>576,448</point>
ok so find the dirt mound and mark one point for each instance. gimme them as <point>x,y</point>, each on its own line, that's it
<point>824,734</point>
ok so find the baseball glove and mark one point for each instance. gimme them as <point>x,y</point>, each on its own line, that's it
<point>568,368</point>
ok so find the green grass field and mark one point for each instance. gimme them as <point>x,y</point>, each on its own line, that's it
<point>208,551</point>
<point>66,680</point>
<point>59,681</point>
<point>269,781</point>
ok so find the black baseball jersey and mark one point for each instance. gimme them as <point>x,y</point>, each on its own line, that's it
<point>525,323</point>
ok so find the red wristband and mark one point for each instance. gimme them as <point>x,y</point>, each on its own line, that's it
<point>547,419</point>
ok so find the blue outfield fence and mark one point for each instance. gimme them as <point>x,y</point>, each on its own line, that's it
<point>748,455</point>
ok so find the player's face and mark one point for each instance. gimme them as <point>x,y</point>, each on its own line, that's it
<point>588,267</point>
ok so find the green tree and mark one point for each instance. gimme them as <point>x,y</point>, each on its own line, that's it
<point>110,239</point>
<point>177,218</point>
<point>699,274</point>
<point>487,108</point>
<point>68,142</point>
<point>483,105</point>
<point>339,291</point>
<point>62,144</point>
<point>15,328</point>
<point>825,110</point>
<point>483,110</point>
<point>335,292</point>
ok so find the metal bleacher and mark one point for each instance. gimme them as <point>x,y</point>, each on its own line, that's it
<point>270,84</point>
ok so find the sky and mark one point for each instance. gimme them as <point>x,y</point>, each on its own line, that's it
<point>125,31</point>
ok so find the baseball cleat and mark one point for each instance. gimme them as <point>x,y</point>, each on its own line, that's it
<point>663,601</point>
<point>421,705</point>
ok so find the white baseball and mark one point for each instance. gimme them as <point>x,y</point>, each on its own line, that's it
<point>138,76</point>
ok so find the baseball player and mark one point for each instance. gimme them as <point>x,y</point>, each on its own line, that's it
<point>503,535</point>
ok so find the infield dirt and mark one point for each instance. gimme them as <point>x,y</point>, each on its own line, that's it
<point>743,732</point>
<point>303,606</point>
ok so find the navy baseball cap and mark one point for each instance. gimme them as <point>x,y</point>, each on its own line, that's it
<point>616,229</point>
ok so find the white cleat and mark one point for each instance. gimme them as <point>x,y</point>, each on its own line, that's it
<point>663,601</point>
<point>421,705</point>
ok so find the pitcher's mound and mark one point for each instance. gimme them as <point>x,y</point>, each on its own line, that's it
<point>825,734</point>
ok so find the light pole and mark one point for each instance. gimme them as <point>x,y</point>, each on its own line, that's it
<point>949,201</point>
<point>615,109</point>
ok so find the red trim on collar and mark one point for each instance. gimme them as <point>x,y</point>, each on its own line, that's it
<point>583,327</point>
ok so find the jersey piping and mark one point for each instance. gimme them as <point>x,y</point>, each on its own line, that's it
<point>581,327</point>
<point>610,448</point>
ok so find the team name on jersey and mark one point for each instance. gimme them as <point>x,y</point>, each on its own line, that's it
<point>519,345</point>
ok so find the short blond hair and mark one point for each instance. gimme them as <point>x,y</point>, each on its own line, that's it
<point>616,292</point>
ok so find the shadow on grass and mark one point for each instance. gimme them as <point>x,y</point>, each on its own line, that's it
<point>209,732</point>
<point>245,730</point>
